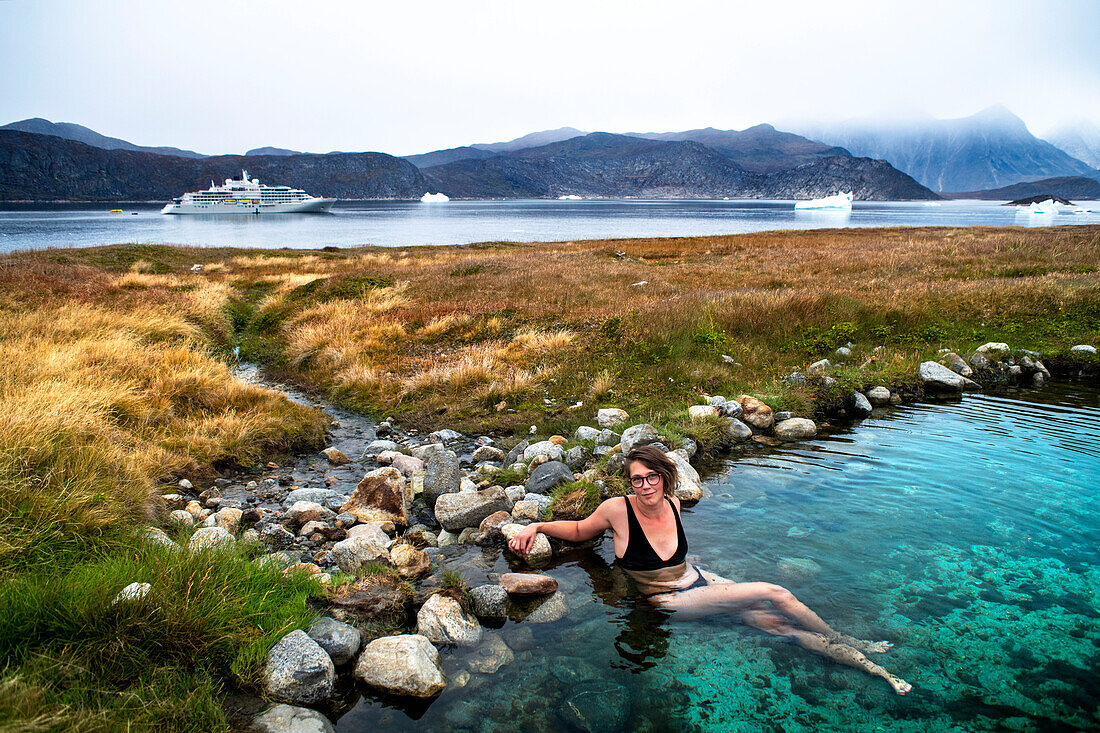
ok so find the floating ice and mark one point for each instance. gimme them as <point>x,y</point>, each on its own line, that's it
<point>841,201</point>
<point>570,197</point>
<point>434,198</point>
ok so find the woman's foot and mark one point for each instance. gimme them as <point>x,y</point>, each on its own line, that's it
<point>900,686</point>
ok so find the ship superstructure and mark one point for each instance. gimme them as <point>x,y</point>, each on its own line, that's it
<point>247,196</point>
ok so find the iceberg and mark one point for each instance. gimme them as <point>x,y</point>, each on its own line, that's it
<point>1043,208</point>
<point>570,197</point>
<point>840,202</point>
<point>434,198</point>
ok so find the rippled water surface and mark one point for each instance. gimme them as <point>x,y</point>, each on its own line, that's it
<point>399,223</point>
<point>966,533</point>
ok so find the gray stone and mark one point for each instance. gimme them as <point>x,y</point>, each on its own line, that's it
<point>540,552</point>
<point>490,601</point>
<point>441,620</point>
<point>515,493</point>
<point>315,495</point>
<point>1082,349</point>
<point>466,509</point>
<point>423,451</point>
<point>277,537</point>
<point>843,353</point>
<point>599,705</point>
<point>701,412</point>
<point>547,476</point>
<point>795,379</point>
<point>379,446</point>
<point>737,431</point>
<point>444,436</point>
<point>157,536</point>
<point>407,465</point>
<point>878,396</point>
<point>584,433</point>
<point>352,553</point>
<point>576,456</point>
<point>994,350</point>
<point>637,435</point>
<point>818,367</point>
<point>526,510</point>
<point>936,377</point>
<point>339,640</point>
<point>210,538</point>
<point>955,363</point>
<point>689,488</point>
<point>406,665</point>
<point>516,454</point>
<point>796,428</point>
<point>615,464</point>
<point>543,448</point>
<point>860,405</point>
<point>301,512</point>
<point>783,415</point>
<point>290,719</point>
<point>608,438</point>
<point>488,453</point>
<point>441,475</point>
<point>132,593</point>
<point>554,608</point>
<point>298,671</point>
<point>979,361</point>
<point>609,417</point>
<point>716,400</point>
<point>490,656</point>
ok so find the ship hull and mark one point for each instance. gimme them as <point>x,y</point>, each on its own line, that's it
<point>312,206</point>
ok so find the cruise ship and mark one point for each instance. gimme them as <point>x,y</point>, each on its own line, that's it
<point>247,196</point>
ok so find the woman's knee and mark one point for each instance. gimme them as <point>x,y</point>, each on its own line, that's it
<point>779,596</point>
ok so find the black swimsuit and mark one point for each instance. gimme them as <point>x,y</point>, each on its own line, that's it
<point>640,555</point>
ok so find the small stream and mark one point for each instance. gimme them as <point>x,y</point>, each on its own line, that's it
<point>964,532</point>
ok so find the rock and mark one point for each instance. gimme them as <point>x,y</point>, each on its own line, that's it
<point>382,496</point>
<point>444,436</point>
<point>557,439</point>
<point>423,451</point>
<point>339,640</point>
<point>407,465</point>
<point>795,379</point>
<point>527,584</point>
<point>600,705</point>
<point>488,532</point>
<point>860,405</point>
<point>576,457</point>
<point>878,396</point>
<point>979,361</point>
<point>441,475</point>
<point>737,431</point>
<point>352,553</point>
<point>374,598</point>
<point>548,476</point>
<point>210,538</point>
<point>543,448</point>
<point>185,484</point>
<point>638,435</point>
<point>797,428</point>
<point>335,456</point>
<point>180,516</point>
<point>689,489</point>
<point>277,537</point>
<point>526,510</point>
<point>515,493</point>
<point>1037,379</point>
<point>700,412</point>
<point>441,620</point>
<point>157,536</point>
<point>585,433</point>
<point>716,400</point>
<point>490,601</point>
<point>783,415</point>
<point>298,671</point>
<point>955,363</point>
<point>609,417</point>
<point>607,437</point>
<point>540,553</point>
<point>798,566</point>
<point>488,453</point>
<point>757,414</point>
<point>378,446</point>
<point>516,454</point>
<point>994,350</point>
<point>1082,349</point>
<point>843,353</point>
<point>194,508</point>
<point>459,511</point>
<point>554,608</point>
<point>938,378</point>
<point>732,408</point>
<point>301,512</point>
<point>818,367</point>
<point>490,656</point>
<point>132,593</point>
<point>290,719</point>
<point>318,496</point>
<point>406,665</point>
<point>410,562</point>
<point>229,519</point>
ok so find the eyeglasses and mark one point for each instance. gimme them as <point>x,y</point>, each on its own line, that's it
<point>650,478</point>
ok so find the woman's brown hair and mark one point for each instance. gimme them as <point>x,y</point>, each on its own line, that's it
<point>651,456</point>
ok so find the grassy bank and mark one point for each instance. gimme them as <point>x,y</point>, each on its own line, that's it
<point>116,382</point>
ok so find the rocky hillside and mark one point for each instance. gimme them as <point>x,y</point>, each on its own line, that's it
<point>984,151</point>
<point>81,134</point>
<point>606,165</point>
<point>762,148</point>
<point>1073,188</point>
<point>43,167</point>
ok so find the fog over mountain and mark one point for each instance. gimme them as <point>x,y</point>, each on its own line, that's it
<point>987,150</point>
<point>1080,138</point>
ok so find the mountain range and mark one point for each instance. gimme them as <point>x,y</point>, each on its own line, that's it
<point>988,150</point>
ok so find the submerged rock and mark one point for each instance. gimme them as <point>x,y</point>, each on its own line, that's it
<point>339,640</point>
<point>796,428</point>
<point>600,705</point>
<point>290,719</point>
<point>490,656</point>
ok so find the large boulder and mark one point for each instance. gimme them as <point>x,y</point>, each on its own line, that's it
<point>547,448</point>
<point>339,640</point>
<point>382,496</point>
<point>406,665</point>
<point>797,428</point>
<point>210,538</point>
<point>609,417</point>
<point>490,601</point>
<point>938,378</point>
<point>298,671</point>
<point>637,435</point>
<point>441,620</point>
<point>737,431</point>
<point>441,475</point>
<point>689,488</point>
<point>955,363</point>
<point>354,552</point>
<point>547,476</point>
<point>466,509</point>
<point>859,404</point>
<point>756,413</point>
<point>540,553</point>
<point>291,719</point>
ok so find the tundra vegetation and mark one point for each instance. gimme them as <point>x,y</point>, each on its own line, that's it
<point>117,382</point>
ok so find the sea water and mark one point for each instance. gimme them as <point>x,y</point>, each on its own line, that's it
<point>966,533</point>
<point>401,223</point>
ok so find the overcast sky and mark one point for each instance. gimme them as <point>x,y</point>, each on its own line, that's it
<point>222,77</point>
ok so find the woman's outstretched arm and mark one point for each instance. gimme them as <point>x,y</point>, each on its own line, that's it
<point>579,531</point>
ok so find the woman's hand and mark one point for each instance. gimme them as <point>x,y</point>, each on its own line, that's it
<point>522,542</point>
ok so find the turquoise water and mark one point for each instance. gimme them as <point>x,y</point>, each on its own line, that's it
<point>966,533</point>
